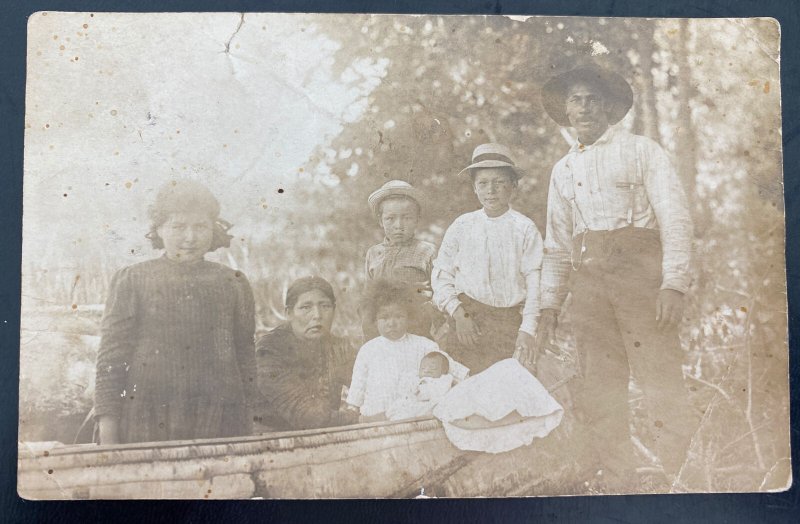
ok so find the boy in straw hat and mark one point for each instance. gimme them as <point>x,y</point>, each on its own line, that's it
<point>620,232</point>
<point>401,257</point>
<point>486,275</point>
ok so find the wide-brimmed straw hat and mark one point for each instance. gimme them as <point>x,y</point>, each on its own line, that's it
<point>615,89</point>
<point>493,155</point>
<point>393,188</point>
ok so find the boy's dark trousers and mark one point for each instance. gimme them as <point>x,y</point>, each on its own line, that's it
<point>499,327</point>
<point>614,291</point>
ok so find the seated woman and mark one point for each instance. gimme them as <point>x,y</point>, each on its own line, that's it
<point>301,365</point>
<point>176,357</point>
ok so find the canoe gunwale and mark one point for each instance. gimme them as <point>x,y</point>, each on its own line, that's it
<point>91,454</point>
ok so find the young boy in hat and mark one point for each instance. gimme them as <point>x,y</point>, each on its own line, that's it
<point>486,275</point>
<point>400,257</point>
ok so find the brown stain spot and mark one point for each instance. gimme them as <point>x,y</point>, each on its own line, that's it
<point>209,491</point>
<point>76,58</point>
<point>46,453</point>
<point>224,145</point>
<point>743,309</point>
<point>766,87</point>
<point>128,185</point>
<point>47,126</point>
<point>116,153</point>
<point>637,344</point>
<point>61,47</point>
<point>52,146</point>
<point>55,37</point>
<point>301,170</point>
<point>235,131</point>
<point>86,26</point>
<point>659,424</point>
<point>113,112</point>
<point>205,496</point>
<point>91,15</point>
<point>49,471</point>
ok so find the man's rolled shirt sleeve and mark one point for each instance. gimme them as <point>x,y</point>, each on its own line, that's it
<point>557,245</point>
<point>668,198</point>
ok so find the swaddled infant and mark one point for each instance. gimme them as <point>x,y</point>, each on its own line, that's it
<point>421,392</point>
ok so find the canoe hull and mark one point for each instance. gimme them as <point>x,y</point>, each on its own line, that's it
<point>378,460</point>
<point>367,460</point>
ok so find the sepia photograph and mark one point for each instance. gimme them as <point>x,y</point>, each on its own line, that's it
<point>324,256</point>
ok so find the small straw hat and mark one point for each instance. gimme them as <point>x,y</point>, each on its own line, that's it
<point>492,155</point>
<point>393,188</point>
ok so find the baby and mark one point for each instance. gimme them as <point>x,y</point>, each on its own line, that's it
<point>421,392</point>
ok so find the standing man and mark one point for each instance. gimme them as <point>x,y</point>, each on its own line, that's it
<point>619,232</point>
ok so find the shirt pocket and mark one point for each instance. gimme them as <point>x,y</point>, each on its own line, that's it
<point>375,264</point>
<point>629,194</point>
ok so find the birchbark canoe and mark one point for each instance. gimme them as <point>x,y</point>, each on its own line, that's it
<point>382,459</point>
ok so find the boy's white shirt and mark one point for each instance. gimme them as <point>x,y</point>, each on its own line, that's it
<point>496,261</point>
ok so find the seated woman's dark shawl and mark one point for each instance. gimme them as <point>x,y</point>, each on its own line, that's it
<point>301,381</point>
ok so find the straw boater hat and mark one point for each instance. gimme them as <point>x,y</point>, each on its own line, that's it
<point>393,188</point>
<point>616,90</point>
<point>492,155</point>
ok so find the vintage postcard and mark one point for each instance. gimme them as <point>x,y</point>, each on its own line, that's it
<point>358,256</point>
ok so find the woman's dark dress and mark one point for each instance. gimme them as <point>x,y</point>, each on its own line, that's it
<point>301,381</point>
<point>177,358</point>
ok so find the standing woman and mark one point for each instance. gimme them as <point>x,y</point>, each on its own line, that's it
<point>176,358</point>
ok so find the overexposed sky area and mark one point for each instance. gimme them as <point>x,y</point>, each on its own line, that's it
<point>117,104</point>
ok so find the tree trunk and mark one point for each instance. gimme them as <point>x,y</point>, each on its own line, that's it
<point>647,106</point>
<point>686,142</point>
